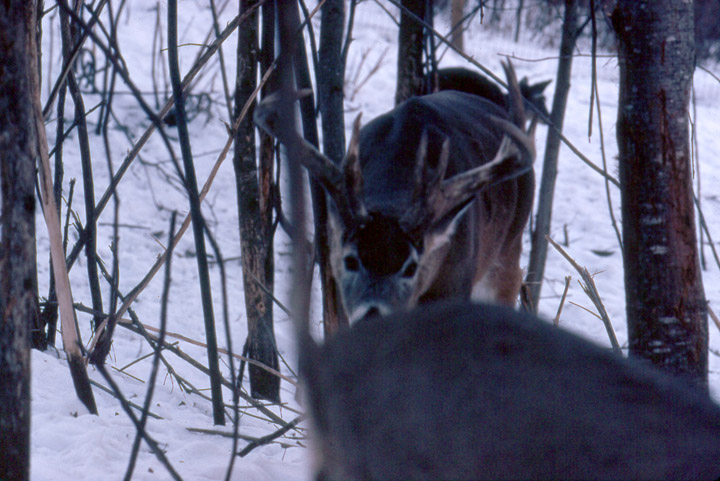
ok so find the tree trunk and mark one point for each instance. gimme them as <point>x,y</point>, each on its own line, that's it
<point>332,313</point>
<point>198,223</point>
<point>69,39</point>
<point>255,234</point>
<point>18,274</point>
<point>457,8</point>
<point>538,252</point>
<point>410,50</point>
<point>330,91</point>
<point>666,306</point>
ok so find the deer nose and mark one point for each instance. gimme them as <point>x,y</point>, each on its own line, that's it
<point>368,313</point>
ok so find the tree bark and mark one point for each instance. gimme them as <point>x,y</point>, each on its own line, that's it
<point>666,306</point>
<point>538,251</point>
<point>18,270</point>
<point>255,231</point>
<point>457,8</point>
<point>410,49</point>
<point>330,91</point>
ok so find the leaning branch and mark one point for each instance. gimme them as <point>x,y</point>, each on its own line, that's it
<point>592,293</point>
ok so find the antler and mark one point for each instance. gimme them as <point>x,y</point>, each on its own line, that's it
<point>344,185</point>
<point>434,198</point>
<point>513,158</point>
<point>353,178</point>
<point>426,182</point>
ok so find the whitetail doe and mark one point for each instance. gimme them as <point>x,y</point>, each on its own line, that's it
<point>430,201</point>
<point>456,391</point>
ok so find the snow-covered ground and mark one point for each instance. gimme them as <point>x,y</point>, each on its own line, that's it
<point>70,444</point>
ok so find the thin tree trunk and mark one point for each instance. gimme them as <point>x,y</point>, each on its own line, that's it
<point>255,235</point>
<point>518,19</point>
<point>197,219</point>
<point>457,8</point>
<point>18,275</point>
<point>410,49</point>
<point>332,317</point>
<point>538,252</point>
<point>68,44</point>
<point>288,29</point>
<point>666,306</point>
<point>330,88</point>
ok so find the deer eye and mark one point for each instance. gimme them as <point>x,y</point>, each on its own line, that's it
<point>410,269</point>
<point>352,263</point>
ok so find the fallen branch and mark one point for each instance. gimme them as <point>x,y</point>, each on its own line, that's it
<point>72,345</point>
<point>270,437</point>
<point>592,292</point>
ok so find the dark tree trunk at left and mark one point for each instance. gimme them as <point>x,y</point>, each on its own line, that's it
<point>255,234</point>
<point>18,277</point>
<point>410,51</point>
<point>666,306</point>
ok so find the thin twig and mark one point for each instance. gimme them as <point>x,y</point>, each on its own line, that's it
<point>196,364</point>
<point>156,359</point>
<point>137,146</point>
<point>497,79</point>
<point>130,403</point>
<point>714,317</point>
<point>707,230</point>
<point>135,292</point>
<point>154,447</point>
<point>613,221</point>
<point>556,321</point>
<point>270,437</point>
<point>592,292</point>
<point>220,350</point>
<point>70,61</point>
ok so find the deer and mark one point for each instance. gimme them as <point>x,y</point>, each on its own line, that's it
<point>430,201</point>
<point>455,390</point>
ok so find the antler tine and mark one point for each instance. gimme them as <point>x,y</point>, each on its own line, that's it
<point>419,171</point>
<point>516,107</point>
<point>425,177</point>
<point>353,176</point>
<point>426,181</point>
<point>523,140</point>
<point>513,158</point>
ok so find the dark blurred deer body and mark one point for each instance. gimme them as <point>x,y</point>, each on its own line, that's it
<point>462,391</point>
<point>429,203</point>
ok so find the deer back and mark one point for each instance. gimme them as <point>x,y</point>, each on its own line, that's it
<point>467,391</point>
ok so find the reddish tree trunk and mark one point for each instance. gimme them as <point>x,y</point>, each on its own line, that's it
<point>666,307</point>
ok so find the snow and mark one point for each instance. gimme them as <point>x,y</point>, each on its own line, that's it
<point>68,443</point>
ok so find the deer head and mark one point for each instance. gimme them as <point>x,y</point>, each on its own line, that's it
<point>403,190</point>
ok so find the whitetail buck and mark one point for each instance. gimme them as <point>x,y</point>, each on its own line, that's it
<point>457,391</point>
<point>430,201</point>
